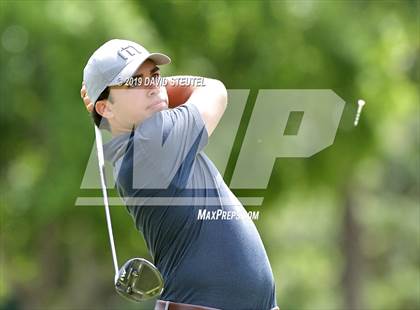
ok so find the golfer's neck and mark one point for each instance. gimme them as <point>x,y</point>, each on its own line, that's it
<point>119,130</point>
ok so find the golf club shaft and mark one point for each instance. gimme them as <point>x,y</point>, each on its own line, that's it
<point>101,161</point>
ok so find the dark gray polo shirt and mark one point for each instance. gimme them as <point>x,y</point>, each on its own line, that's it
<point>199,235</point>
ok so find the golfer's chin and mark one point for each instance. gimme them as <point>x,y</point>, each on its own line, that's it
<point>157,107</point>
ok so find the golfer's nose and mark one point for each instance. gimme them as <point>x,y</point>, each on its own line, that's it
<point>153,88</point>
<point>153,91</point>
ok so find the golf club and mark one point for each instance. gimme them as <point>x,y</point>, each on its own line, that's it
<point>138,279</point>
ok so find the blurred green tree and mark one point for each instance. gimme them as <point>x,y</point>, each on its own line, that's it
<point>341,228</point>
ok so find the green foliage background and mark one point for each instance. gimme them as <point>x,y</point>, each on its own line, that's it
<point>342,228</point>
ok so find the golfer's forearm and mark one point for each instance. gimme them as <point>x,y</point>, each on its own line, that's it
<point>211,101</point>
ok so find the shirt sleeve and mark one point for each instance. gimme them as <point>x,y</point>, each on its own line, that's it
<point>168,143</point>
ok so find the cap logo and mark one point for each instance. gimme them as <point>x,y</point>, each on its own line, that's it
<point>127,52</point>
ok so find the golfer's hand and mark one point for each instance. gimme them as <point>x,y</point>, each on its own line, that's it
<point>86,100</point>
<point>177,94</point>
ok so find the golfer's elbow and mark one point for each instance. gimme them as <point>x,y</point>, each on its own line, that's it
<point>220,92</point>
<point>224,94</point>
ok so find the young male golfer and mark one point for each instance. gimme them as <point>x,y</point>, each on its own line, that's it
<point>212,262</point>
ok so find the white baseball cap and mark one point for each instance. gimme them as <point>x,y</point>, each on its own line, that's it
<point>115,62</point>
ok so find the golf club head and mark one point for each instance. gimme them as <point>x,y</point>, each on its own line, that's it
<point>139,280</point>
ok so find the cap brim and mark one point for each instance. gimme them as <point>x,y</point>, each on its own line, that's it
<point>131,68</point>
<point>159,59</point>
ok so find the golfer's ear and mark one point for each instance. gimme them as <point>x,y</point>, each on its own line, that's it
<point>103,109</point>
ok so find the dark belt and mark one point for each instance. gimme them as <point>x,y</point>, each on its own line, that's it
<point>169,305</point>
